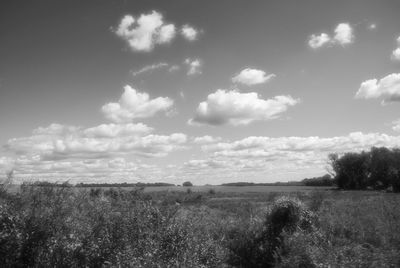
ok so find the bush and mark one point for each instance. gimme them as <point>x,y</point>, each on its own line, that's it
<point>258,244</point>
<point>187,184</point>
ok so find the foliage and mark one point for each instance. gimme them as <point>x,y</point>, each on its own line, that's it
<point>187,184</point>
<point>325,180</point>
<point>59,227</point>
<point>376,169</point>
<point>78,227</point>
<point>256,244</point>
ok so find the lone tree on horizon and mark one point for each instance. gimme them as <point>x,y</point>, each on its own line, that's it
<point>187,184</point>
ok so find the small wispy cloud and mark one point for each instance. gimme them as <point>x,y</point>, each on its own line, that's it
<point>396,53</point>
<point>251,77</point>
<point>194,66</point>
<point>189,32</point>
<point>150,68</point>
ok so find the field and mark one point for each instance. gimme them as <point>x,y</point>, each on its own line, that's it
<point>230,189</point>
<point>269,226</point>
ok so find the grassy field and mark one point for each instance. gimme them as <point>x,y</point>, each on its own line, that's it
<point>203,227</point>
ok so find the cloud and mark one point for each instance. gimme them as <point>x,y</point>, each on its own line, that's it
<point>147,146</point>
<point>173,68</point>
<point>387,88</point>
<point>317,41</point>
<point>103,141</point>
<point>235,108</point>
<point>396,125</point>
<point>88,170</point>
<point>206,139</point>
<point>143,33</point>
<point>252,77</point>
<point>148,30</point>
<point>167,33</point>
<point>343,35</point>
<point>396,53</point>
<point>134,104</point>
<point>114,130</point>
<point>150,68</point>
<point>194,66</point>
<point>259,146</point>
<point>189,33</point>
<point>262,158</point>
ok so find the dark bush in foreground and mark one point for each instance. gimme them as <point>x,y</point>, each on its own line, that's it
<point>258,244</point>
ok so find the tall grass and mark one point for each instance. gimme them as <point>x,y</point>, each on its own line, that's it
<point>66,227</point>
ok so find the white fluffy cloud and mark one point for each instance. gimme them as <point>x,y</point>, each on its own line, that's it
<point>258,158</point>
<point>343,35</point>
<point>194,66</point>
<point>277,147</point>
<point>102,141</point>
<point>235,108</point>
<point>206,139</point>
<point>317,41</point>
<point>189,33</point>
<point>148,146</point>
<point>76,171</point>
<point>396,52</point>
<point>387,88</point>
<point>396,125</point>
<point>251,77</point>
<point>134,104</point>
<point>144,32</point>
<point>117,130</point>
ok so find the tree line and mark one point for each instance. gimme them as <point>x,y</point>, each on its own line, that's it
<point>377,169</point>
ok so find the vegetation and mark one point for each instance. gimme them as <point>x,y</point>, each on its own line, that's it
<point>80,227</point>
<point>377,169</point>
<point>290,183</point>
<point>125,184</point>
<point>325,180</point>
<point>187,184</point>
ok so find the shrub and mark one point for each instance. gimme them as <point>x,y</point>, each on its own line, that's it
<point>258,244</point>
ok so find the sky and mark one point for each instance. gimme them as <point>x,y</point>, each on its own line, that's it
<point>205,91</point>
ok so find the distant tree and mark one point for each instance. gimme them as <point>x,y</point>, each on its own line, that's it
<point>325,180</point>
<point>187,184</point>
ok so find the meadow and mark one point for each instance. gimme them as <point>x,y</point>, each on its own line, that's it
<point>198,227</point>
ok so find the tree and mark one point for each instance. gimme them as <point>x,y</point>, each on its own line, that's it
<point>377,169</point>
<point>187,184</point>
<point>351,170</point>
